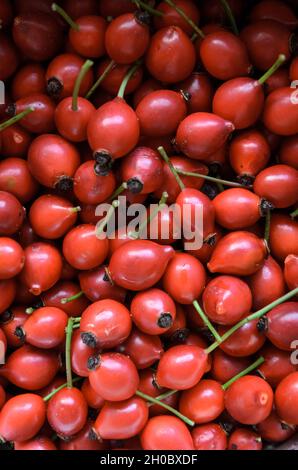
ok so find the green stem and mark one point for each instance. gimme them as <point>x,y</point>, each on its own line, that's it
<point>294,214</point>
<point>187,19</point>
<point>87,66</point>
<point>15,119</point>
<point>102,225</point>
<point>206,321</point>
<point>65,16</point>
<point>267,226</point>
<point>126,79</point>
<point>175,173</point>
<point>50,395</point>
<point>66,300</point>
<point>152,216</point>
<point>100,79</point>
<point>211,178</point>
<point>164,396</point>
<point>230,15</point>
<point>69,331</point>
<point>30,310</point>
<point>156,401</point>
<point>146,7</point>
<point>253,316</point>
<point>244,372</point>
<point>279,61</point>
<point>118,191</point>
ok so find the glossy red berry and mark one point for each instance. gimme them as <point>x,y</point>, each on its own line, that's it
<point>153,311</point>
<point>143,349</point>
<point>184,278</point>
<point>249,400</point>
<point>12,258</point>
<point>139,264</point>
<point>105,324</point>
<point>181,367</point>
<point>238,253</point>
<point>45,328</point>
<point>88,40</point>
<point>11,214</point>
<point>83,249</point>
<point>42,268</point>
<point>267,284</point>
<point>16,179</point>
<point>209,437</point>
<point>166,433</point>
<point>278,184</point>
<point>90,187</point>
<point>22,417</point>
<point>67,412</point>
<point>286,397</point>
<point>113,376</point>
<point>122,420</point>
<point>202,134</point>
<point>127,37</point>
<point>244,439</point>
<point>204,402</point>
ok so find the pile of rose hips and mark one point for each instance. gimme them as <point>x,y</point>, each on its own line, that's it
<point>130,343</point>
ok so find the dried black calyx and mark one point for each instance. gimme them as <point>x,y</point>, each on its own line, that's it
<point>11,110</point>
<point>134,185</point>
<point>64,184</point>
<point>265,206</point>
<point>54,87</point>
<point>211,190</point>
<point>103,163</point>
<point>89,339</point>
<point>165,320</point>
<point>262,325</point>
<point>143,17</point>
<point>179,336</point>
<point>20,333</point>
<point>211,239</point>
<point>246,180</point>
<point>93,362</point>
<point>5,317</point>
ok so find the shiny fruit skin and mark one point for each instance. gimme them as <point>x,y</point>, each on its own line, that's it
<point>234,61</point>
<point>108,322</point>
<point>82,249</point>
<point>238,253</point>
<point>122,420</point>
<point>166,433</point>
<point>171,55</point>
<point>282,325</point>
<point>181,367</point>
<point>244,342</point>
<point>153,311</point>
<point>237,208</point>
<point>115,377</point>
<point>67,412</point>
<point>278,184</point>
<point>143,349</point>
<point>113,128</point>
<point>204,402</point>
<point>45,328</point>
<point>30,368</point>
<point>16,178</point>
<point>283,236</point>
<point>42,268</point>
<point>249,400</point>
<point>280,103</point>
<point>51,158</point>
<point>226,300</point>
<point>22,417</point>
<point>286,398</point>
<point>291,271</point>
<point>249,152</point>
<point>127,38</point>
<point>51,216</point>
<point>91,188</point>
<point>12,214</point>
<point>209,437</point>
<point>12,258</point>
<point>202,134</point>
<point>139,264</point>
<point>229,96</point>
<point>184,278</point>
<point>267,284</point>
